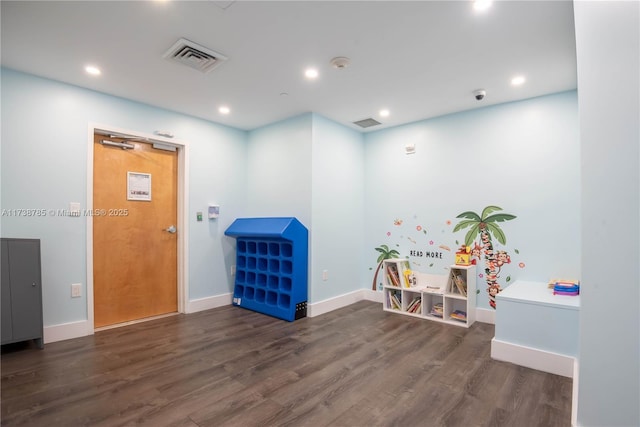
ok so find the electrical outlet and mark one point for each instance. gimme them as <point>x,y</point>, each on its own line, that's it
<point>233,270</point>
<point>325,275</point>
<point>76,290</point>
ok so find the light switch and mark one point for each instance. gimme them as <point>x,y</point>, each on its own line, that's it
<point>76,290</point>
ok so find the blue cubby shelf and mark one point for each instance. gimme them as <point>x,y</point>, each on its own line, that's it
<point>271,266</point>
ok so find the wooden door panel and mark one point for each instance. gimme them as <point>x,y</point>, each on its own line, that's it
<point>135,259</point>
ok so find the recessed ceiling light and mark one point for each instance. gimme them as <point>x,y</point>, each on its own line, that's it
<point>224,110</point>
<point>482,5</point>
<point>384,113</point>
<point>518,80</point>
<point>93,70</point>
<point>311,73</point>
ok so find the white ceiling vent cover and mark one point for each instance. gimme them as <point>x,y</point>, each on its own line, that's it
<point>194,56</point>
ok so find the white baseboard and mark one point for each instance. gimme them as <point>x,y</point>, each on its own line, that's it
<point>322,307</point>
<point>533,358</point>
<point>370,295</point>
<point>208,303</point>
<point>486,315</point>
<point>67,331</point>
<point>314,309</point>
<point>82,328</point>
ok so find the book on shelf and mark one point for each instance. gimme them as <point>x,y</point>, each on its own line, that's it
<point>563,282</point>
<point>395,302</point>
<point>414,305</point>
<point>459,315</point>
<point>570,293</point>
<point>408,281</point>
<point>407,274</point>
<point>559,287</point>
<point>394,276</point>
<point>566,288</point>
<point>437,310</point>
<point>416,308</point>
<point>458,284</point>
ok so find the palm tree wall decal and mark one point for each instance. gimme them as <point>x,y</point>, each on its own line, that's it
<point>385,253</point>
<point>486,227</point>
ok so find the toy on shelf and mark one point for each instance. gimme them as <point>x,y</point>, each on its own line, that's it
<point>463,255</point>
<point>409,278</point>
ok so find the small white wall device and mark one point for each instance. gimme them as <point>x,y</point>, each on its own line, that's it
<point>214,211</point>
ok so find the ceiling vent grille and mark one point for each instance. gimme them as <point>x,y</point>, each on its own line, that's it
<point>367,123</point>
<point>224,4</point>
<point>193,55</point>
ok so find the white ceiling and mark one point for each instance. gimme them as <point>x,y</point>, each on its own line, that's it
<point>419,59</point>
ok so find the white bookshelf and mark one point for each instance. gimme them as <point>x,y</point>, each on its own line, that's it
<point>435,293</point>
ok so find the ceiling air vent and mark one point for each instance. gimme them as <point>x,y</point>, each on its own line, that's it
<point>367,123</point>
<point>195,56</point>
<point>224,4</point>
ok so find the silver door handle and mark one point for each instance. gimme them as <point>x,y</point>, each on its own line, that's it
<point>171,229</point>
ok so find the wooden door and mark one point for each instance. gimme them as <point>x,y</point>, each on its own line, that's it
<point>134,256</point>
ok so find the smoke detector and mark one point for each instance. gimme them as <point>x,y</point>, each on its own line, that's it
<point>340,62</point>
<point>195,56</point>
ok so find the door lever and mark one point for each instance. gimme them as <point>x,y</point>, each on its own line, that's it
<point>171,229</point>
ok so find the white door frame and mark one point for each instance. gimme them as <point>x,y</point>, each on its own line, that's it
<point>183,204</point>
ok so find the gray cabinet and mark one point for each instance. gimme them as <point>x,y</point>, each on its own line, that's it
<point>21,291</point>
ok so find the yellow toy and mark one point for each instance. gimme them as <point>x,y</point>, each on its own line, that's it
<point>463,255</point>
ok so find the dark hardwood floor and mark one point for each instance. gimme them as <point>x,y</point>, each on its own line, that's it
<point>357,366</point>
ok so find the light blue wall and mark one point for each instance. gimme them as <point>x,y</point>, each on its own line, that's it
<point>522,157</point>
<point>312,168</point>
<point>279,170</point>
<point>607,44</point>
<point>44,165</point>
<point>338,209</point>
<point>217,176</point>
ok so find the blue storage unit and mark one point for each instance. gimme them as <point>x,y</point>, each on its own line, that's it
<point>271,266</point>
